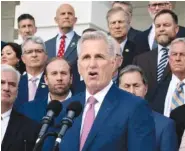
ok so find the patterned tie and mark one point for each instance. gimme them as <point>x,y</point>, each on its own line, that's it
<point>178,96</point>
<point>32,88</point>
<point>88,121</point>
<point>62,47</point>
<point>162,64</point>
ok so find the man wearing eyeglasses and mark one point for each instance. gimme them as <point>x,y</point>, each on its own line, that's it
<point>32,84</point>
<point>145,41</point>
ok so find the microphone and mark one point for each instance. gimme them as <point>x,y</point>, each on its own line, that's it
<point>73,110</point>
<point>53,110</point>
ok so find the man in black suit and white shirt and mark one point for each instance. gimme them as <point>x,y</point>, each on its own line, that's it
<point>118,24</point>
<point>127,7</point>
<point>155,62</point>
<point>145,41</point>
<point>18,133</point>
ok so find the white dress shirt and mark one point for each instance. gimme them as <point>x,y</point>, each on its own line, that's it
<point>99,97</point>
<point>122,45</point>
<point>38,78</point>
<point>68,39</point>
<point>171,89</point>
<point>151,36</point>
<point>5,117</point>
<point>160,53</point>
<point>68,96</point>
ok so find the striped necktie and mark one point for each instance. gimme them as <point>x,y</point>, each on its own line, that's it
<point>162,64</point>
<point>178,96</point>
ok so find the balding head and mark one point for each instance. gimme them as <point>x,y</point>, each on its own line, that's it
<point>65,18</point>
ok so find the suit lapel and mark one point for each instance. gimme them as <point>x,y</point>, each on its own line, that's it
<point>13,127</point>
<point>153,63</point>
<point>166,72</point>
<point>52,47</point>
<point>107,106</point>
<point>72,46</point>
<point>42,88</point>
<point>24,88</point>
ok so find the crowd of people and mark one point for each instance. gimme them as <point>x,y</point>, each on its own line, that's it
<point>130,83</point>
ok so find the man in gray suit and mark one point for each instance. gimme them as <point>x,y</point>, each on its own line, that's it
<point>64,43</point>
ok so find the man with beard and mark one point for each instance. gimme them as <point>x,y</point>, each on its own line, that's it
<point>155,62</point>
<point>58,77</point>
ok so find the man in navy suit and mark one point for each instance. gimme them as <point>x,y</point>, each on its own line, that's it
<point>18,133</point>
<point>133,80</point>
<point>145,41</point>
<point>127,7</point>
<point>32,84</point>
<point>65,18</point>
<point>58,77</point>
<point>112,119</point>
<point>118,24</point>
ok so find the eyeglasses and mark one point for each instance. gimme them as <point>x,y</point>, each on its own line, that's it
<point>37,51</point>
<point>160,5</point>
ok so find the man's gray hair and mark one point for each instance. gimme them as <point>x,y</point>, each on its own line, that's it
<point>133,68</point>
<point>177,40</point>
<point>8,68</point>
<point>98,35</point>
<point>35,39</point>
<point>116,10</point>
<point>129,4</point>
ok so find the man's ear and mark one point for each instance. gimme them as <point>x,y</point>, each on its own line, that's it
<point>46,79</point>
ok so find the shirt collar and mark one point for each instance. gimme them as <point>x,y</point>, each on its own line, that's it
<point>176,79</point>
<point>69,35</point>
<point>160,47</point>
<point>101,94</point>
<point>38,76</point>
<point>6,114</point>
<point>68,96</point>
<point>122,44</point>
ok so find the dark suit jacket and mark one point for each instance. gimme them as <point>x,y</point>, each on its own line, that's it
<point>141,39</point>
<point>157,100</point>
<point>132,34</point>
<point>128,53</point>
<point>148,62</point>
<point>177,116</point>
<point>165,133</point>
<point>23,93</point>
<point>2,44</point>
<point>71,52</point>
<point>124,122</point>
<point>21,133</point>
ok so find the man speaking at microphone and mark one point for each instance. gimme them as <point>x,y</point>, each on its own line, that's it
<point>112,119</point>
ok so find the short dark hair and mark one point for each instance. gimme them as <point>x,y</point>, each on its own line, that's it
<point>25,16</point>
<point>54,59</point>
<point>133,68</point>
<point>167,11</point>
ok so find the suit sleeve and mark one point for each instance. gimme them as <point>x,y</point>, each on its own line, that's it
<point>141,130</point>
<point>169,138</point>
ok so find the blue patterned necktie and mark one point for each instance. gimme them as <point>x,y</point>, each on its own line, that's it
<point>178,96</point>
<point>162,64</point>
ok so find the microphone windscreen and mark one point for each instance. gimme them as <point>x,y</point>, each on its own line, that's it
<point>76,107</point>
<point>55,106</point>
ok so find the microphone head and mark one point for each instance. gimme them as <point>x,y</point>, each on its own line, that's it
<point>55,106</point>
<point>76,107</point>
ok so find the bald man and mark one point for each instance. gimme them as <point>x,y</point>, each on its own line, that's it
<point>64,43</point>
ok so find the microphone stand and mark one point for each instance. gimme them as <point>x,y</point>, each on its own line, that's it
<point>38,144</point>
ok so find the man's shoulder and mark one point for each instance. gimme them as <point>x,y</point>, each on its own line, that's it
<point>51,39</point>
<point>162,120</point>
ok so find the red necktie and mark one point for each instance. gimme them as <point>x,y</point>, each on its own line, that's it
<point>62,47</point>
